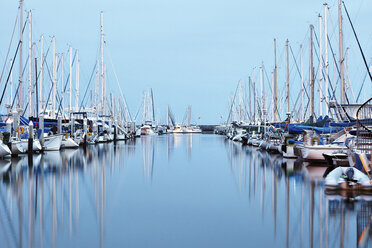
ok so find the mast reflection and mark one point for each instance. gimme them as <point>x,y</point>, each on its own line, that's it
<point>312,217</point>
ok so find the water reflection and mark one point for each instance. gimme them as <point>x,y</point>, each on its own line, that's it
<point>205,191</point>
<point>148,151</point>
<point>40,195</point>
<point>293,194</point>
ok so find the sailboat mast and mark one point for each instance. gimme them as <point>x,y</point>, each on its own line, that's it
<point>33,79</point>
<point>311,73</point>
<point>249,98</point>
<point>54,79</point>
<point>20,96</point>
<point>263,91</point>
<point>167,122</point>
<point>320,69</point>
<point>287,74</point>
<point>254,99</point>
<point>77,81</point>
<point>29,64</point>
<point>102,69</point>
<point>347,74</point>
<point>341,53</point>
<point>96,88</point>
<point>275,86</point>
<point>70,83</point>
<point>302,85</point>
<point>11,88</point>
<point>104,89</point>
<point>326,56</point>
<point>152,107</point>
<point>272,97</point>
<point>62,88</point>
<point>188,115</point>
<point>42,101</point>
<point>144,109</point>
<point>240,102</point>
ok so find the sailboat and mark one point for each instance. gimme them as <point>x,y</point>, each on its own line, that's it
<point>148,115</point>
<point>188,128</point>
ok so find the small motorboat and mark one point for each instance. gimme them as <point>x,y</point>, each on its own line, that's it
<point>347,178</point>
<point>337,159</point>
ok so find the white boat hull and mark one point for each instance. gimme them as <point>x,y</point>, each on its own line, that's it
<point>147,131</point>
<point>36,146</point>
<point>17,147</point>
<point>102,138</point>
<point>4,150</point>
<point>69,143</point>
<point>92,139</point>
<point>52,143</point>
<point>315,153</point>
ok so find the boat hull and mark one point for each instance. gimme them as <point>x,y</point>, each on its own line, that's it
<point>4,150</point>
<point>17,148</point>
<point>315,153</point>
<point>69,143</point>
<point>52,143</point>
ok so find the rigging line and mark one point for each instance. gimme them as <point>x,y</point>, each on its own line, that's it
<point>86,90</point>
<point>57,96</point>
<point>316,73</point>
<point>232,104</point>
<point>24,111</point>
<point>323,73</point>
<point>37,76</point>
<point>247,114</point>
<point>59,62</point>
<point>330,84</point>
<point>50,91</point>
<point>334,90</point>
<point>356,37</point>
<point>299,72</point>
<point>152,106</point>
<point>44,57</point>
<point>140,107</point>
<point>294,107</point>
<point>67,80</point>
<point>23,71</point>
<point>364,80</point>
<point>19,44</point>
<point>277,110</point>
<point>269,81</point>
<point>117,81</point>
<point>10,44</point>
<point>7,80</point>
<point>336,65</point>
<point>306,108</point>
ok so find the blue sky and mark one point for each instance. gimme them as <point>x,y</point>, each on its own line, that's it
<point>190,52</point>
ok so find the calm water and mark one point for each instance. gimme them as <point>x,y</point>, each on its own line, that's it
<point>174,191</point>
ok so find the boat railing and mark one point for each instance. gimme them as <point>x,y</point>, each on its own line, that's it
<point>364,127</point>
